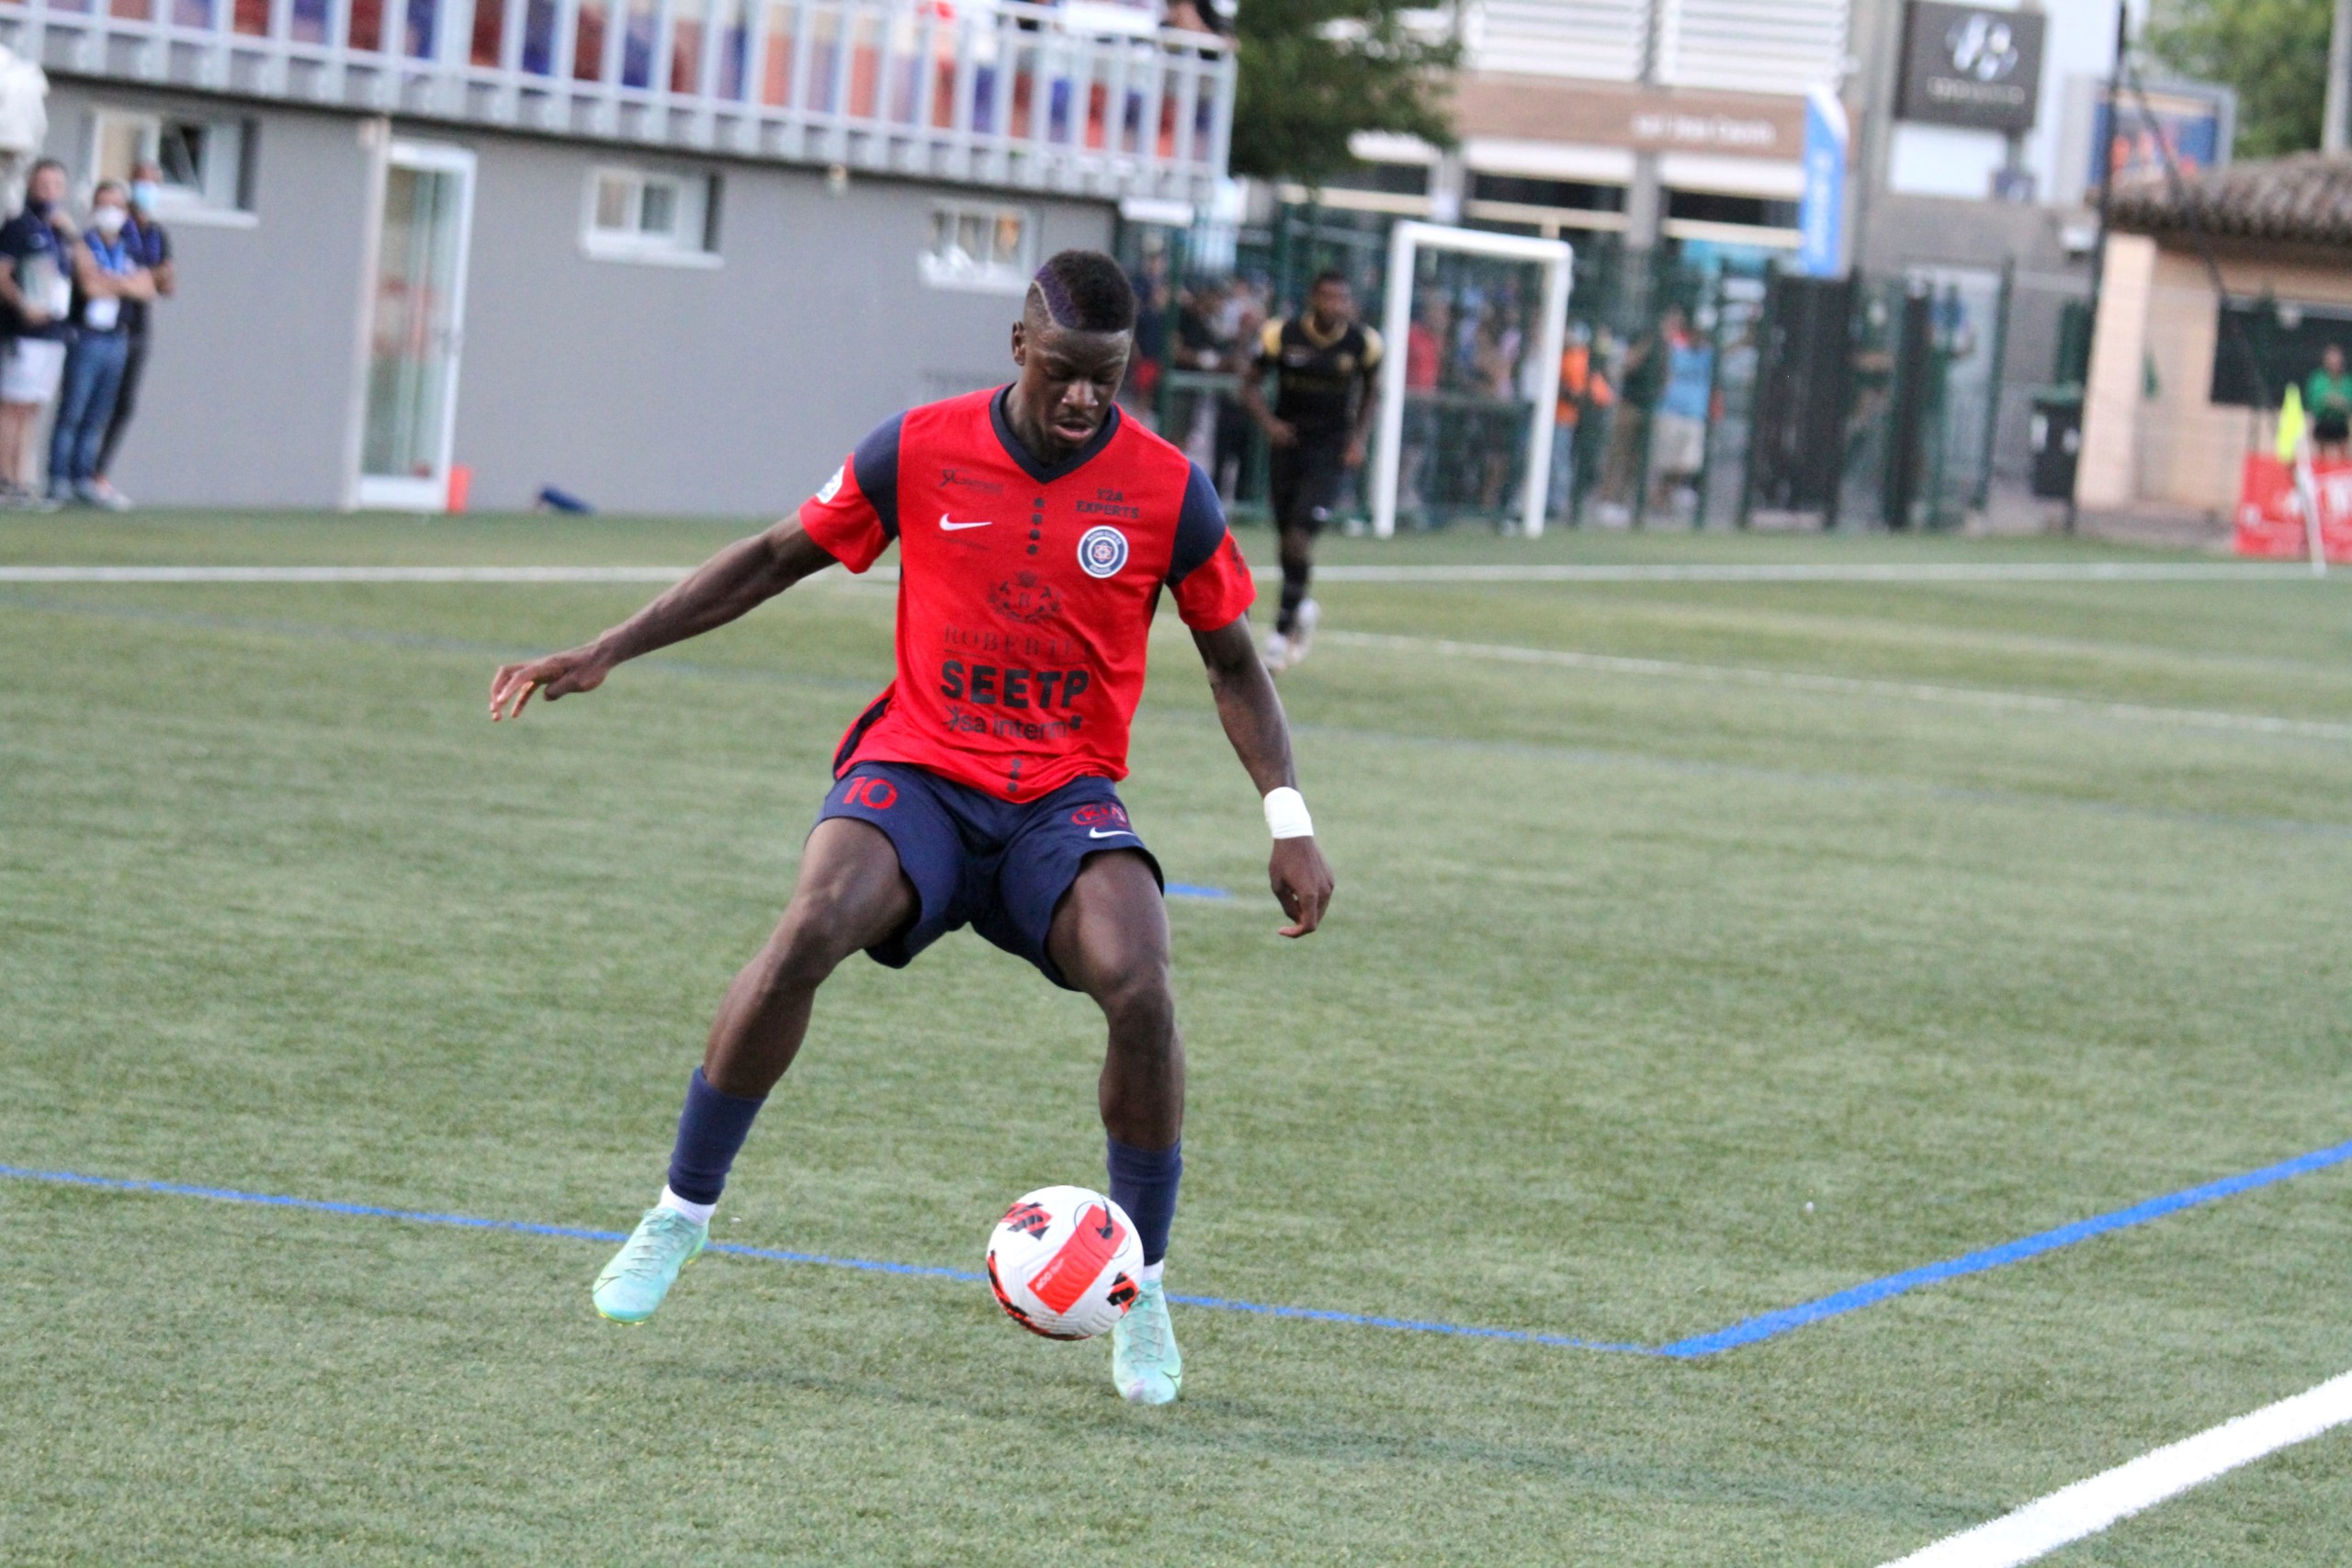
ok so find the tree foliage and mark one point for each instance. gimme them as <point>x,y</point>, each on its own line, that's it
<point>1315,71</point>
<point>2273,51</point>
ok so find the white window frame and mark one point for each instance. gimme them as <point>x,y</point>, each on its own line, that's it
<point>981,278</point>
<point>215,201</point>
<point>686,245</point>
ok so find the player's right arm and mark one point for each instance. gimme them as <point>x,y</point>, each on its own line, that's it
<point>848,523</point>
<point>732,583</point>
<point>1281,432</point>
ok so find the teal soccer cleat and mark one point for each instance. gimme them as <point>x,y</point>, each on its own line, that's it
<point>1145,1363</point>
<point>645,1268</point>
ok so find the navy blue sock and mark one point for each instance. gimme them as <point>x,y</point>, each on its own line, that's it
<point>1143,1182</point>
<point>710,1130</point>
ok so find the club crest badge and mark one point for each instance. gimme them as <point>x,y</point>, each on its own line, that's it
<point>1102,551</point>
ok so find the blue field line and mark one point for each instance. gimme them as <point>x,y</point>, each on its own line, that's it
<point>1771,1325</point>
<point>1750,1331</point>
<point>1195,890</point>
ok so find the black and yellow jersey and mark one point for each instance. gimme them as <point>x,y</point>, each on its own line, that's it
<point>1317,377</point>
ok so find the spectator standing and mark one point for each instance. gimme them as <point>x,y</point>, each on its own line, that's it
<point>41,259</point>
<point>2328,396</point>
<point>1582,386</point>
<point>150,246</point>
<point>94,360</point>
<point>1678,429</point>
<point>1639,377</point>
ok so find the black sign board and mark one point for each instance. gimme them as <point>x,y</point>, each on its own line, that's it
<point>1970,65</point>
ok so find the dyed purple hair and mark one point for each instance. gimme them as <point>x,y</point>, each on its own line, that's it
<point>1085,291</point>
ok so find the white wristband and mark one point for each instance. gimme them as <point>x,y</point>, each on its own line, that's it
<point>1286,814</point>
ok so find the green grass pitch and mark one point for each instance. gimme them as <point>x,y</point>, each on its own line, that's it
<point>1626,970</point>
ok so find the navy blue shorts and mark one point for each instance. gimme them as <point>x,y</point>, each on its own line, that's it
<point>980,862</point>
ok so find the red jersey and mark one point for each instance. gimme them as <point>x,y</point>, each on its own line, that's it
<point>1025,589</point>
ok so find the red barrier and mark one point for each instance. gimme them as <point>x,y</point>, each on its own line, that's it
<point>2271,518</point>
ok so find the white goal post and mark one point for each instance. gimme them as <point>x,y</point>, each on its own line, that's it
<point>1405,241</point>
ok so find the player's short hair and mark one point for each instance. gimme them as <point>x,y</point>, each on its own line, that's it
<point>1329,274</point>
<point>1085,291</point>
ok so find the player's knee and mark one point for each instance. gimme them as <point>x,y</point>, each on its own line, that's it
<point>1140,1005</point>
<point>806,947</point>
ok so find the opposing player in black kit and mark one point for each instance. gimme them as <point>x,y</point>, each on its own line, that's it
<point>1322,362</point>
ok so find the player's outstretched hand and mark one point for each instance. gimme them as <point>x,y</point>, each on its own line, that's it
<point>1302,884</point>
<point>557,675</point>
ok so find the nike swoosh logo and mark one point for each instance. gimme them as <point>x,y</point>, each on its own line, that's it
<point>1113,833</point>
<point>947,527</point>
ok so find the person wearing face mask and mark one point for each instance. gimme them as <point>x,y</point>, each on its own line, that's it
<point>150,244</point>
<point>95,359</point>
<point>41,260</point>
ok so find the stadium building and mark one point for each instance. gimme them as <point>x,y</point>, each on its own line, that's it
<point>674,257</point>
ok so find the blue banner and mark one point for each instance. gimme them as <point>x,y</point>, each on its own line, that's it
<point>1821,212</point>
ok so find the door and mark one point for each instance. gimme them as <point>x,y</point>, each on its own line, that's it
<point>416,316</point>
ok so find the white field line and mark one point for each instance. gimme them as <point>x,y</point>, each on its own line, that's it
<point>2068,571</point>
<point>342,573</point>
<point>1848,685</point>
<point>1855,571</point>
<point>2090,1507</point>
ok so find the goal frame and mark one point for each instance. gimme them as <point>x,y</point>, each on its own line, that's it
<point>1405,241</point>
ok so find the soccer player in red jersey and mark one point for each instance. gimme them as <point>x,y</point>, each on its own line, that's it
<point>1036,529</point>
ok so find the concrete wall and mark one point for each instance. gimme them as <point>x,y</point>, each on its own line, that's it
<point>734,389</point>
<point>738,389</point>
<point>2191,452</point>
<point>249,380</point>
<point>2107,473</point>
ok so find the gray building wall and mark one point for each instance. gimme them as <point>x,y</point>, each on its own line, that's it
<point>249,378</point>
<point>642,386</point>
<point>651,388</point>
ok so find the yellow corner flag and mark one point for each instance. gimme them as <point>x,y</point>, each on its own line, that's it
<point>2291,423</point>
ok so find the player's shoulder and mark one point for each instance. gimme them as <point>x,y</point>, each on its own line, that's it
<point>1137,448</point>
<point>1270,341</point>
<point>964,409</point>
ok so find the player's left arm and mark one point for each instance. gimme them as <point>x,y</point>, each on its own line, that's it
<point>1251,712</point>
<point>1360,437</point>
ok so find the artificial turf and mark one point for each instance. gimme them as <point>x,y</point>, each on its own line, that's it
<point>1627,969</point>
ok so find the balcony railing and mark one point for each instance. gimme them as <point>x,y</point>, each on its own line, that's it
<point>997,94</point>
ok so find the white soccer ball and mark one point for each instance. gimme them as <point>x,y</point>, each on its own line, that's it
<point>1065,1262</point>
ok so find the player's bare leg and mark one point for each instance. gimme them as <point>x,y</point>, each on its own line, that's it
<point>850,895</point>
<point>1110,939</point>
<point>1294,622</point>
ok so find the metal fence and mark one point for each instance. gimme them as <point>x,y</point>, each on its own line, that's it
<point>1674,372</point>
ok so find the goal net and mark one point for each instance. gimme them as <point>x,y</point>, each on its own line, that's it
<point>1474,325</point>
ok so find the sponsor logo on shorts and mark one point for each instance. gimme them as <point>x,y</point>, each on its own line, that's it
<point>1102,551</point>
<point>1101,814</point>
<point>1025,597</point>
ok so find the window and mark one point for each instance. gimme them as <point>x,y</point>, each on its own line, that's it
<point>978,245</point>
<point>648,215</point>
<point>1521,190</point>
<point>207,164</point>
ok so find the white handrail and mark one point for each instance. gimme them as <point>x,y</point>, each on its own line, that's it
<point>1025,100</point>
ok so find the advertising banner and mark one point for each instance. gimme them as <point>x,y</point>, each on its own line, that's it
<point>2270,520</point>
<point>1821,211</point>
<point>1970,65</point>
